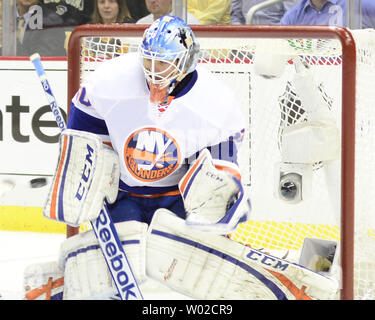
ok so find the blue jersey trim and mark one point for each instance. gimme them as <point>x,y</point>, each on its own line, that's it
<point>226,150</point>
<point>82,121</point>
<point>185,87</point>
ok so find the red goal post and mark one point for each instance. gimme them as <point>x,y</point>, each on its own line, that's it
<point>348,102</point>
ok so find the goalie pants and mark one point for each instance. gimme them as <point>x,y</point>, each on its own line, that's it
<point>140,208</point>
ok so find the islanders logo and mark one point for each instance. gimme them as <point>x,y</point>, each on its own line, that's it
<point>151,154</point>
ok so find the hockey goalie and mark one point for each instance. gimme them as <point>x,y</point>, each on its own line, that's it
<point>157,137</point>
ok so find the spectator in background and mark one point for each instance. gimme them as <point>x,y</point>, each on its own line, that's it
<point>210,11</point>
<point>159,8</point>
<point>85,9</point>
<point>137,8</point>
<point>111,11</point>
<point>327,12</point>
<point>69,13</point>
<point>268,16</point>
<point>74,12</point>
<point>39,29</point>
<point>316,12</point>
<point>368,14</point>
<point>107,12</point>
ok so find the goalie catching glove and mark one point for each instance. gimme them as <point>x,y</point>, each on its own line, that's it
<point>214,199</point>
<point>87,173</point>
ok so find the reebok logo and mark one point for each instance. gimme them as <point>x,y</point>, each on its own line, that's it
<point>118,266</point>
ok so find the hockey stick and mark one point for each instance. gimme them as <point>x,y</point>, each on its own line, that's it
<point>103,226</point>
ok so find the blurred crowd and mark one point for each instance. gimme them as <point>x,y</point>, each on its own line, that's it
<point>44,26</point>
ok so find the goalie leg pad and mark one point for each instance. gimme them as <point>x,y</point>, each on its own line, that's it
<point>43,281</point>
<point>87,173</point>
<point>86,274</point>
<point>207,266</point>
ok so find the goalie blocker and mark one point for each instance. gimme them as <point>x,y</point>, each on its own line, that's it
<point>87,173</point>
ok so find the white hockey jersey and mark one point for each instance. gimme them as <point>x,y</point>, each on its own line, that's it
<point>156,144</point>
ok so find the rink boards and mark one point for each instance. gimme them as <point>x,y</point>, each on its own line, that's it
<point>28,143</point>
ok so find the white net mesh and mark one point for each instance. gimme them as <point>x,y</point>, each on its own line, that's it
<point>270,105</point>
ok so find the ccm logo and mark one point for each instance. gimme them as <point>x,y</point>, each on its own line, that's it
<point>267,260</point>
<point>83,184</point>
<point>213,176</point>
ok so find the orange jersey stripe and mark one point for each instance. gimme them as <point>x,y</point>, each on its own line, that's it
<point>169,193</point>
<point>57,180</point>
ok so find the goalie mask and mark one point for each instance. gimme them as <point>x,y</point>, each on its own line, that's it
<point>169,52</point>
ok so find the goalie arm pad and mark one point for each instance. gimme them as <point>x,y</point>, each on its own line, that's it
<point>207,266</point>
<point>87,172</point>
<point>214,199</point>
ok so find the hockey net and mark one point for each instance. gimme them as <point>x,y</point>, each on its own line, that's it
<point>342,198</point>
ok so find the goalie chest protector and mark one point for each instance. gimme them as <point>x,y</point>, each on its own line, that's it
<point>154,141</point>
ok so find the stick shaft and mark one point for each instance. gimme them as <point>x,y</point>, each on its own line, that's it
<point>35,59</point>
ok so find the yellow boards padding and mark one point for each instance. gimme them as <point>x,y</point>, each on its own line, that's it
<point>18,218</point>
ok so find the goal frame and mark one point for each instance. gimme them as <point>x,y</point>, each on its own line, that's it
<point>348,95</point>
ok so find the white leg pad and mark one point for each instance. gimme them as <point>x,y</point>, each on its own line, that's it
<point>86,273</point>
<point>207,266</point>
<point>43,281</point>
